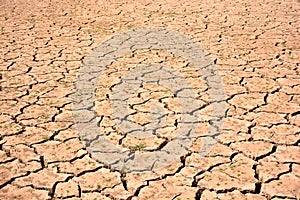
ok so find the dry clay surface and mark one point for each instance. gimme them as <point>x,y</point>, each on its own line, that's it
<point>255,47</point>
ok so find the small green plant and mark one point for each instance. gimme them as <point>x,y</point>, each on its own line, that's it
<point>137,147</point>
<point>171,13</point>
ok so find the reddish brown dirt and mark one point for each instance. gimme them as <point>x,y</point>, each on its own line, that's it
<point>255,46</point>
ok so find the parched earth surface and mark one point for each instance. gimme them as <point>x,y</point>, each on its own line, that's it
<point>253,44</point>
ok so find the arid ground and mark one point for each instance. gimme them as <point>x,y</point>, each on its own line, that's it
<point>254,46</point>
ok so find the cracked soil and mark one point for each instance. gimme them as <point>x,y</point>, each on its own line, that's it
<point>255,47</point>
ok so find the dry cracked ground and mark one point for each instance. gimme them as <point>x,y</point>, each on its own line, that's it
<point>255,48</point>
